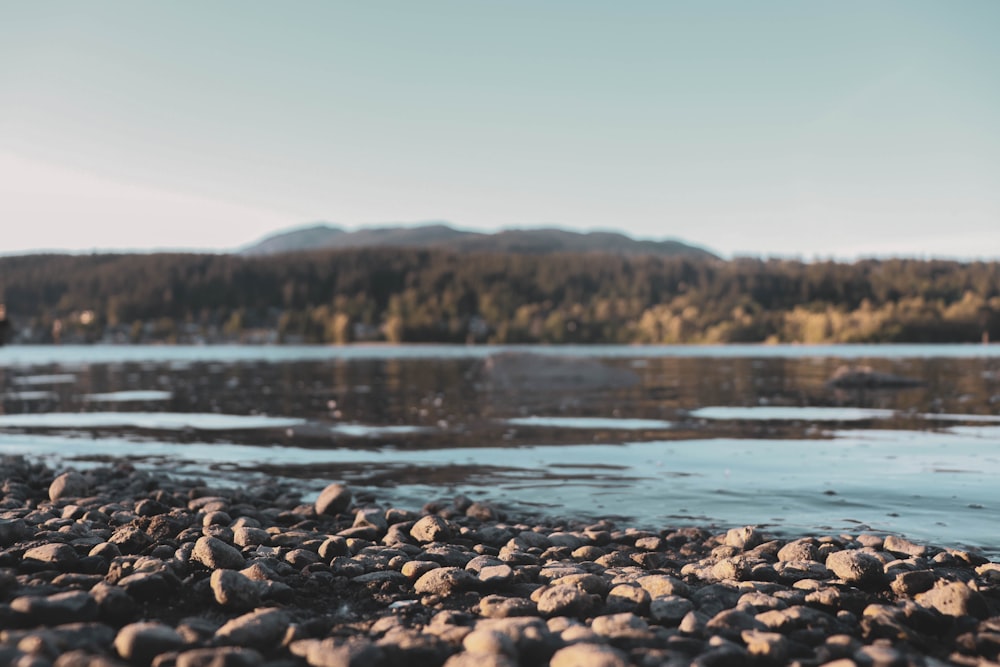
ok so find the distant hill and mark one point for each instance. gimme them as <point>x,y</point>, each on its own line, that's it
<point>439,235</point>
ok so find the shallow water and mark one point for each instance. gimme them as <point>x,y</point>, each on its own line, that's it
<point>659,436</point>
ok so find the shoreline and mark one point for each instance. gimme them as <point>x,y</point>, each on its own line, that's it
<point>114,566</point>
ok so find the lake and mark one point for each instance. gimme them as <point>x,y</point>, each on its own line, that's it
<point>655,436</point>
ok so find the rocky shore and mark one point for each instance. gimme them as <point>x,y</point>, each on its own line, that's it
<point>114,566</point>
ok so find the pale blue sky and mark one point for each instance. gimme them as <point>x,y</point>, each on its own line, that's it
<point>769,127</point>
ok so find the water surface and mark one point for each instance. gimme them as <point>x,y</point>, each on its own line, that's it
<point>658,436</point>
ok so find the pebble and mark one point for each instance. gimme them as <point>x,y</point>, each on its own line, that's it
<point>68,485</point>
<point>334,499</point>
<point>856,567</point>
<point>141,642</point>
<point>141,569</point>
<point>213,553</point>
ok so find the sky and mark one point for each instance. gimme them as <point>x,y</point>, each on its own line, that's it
<point>771,128</point>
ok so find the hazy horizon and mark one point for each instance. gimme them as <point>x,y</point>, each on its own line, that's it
<point>775,129</point>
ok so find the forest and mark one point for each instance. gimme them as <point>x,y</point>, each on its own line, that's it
<point>426,295</point>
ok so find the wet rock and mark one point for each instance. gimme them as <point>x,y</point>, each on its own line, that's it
<point>141,642</point>
<point>214,554</point>
<point>333,500</point>
<point>68,485</point>
<point>857,567</point>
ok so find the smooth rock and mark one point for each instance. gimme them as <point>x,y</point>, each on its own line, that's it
<point>567,600</point>
<point>225,656</point>
<point>214,554</point>
<point>259,629</point>
<point>235,590</point>
<point>444,581</point>
<point>68,485</point>
<point>333,500</point>
<point>856,567</point>
<point>431,528</point>
<point>589,655</point>
<point>141,642</point>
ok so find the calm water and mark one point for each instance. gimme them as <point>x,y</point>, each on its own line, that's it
<point>659,436</point>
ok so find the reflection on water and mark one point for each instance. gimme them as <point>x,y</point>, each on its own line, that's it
<point>592,423</point>
<point>804,413</point>
<point>725,435</point>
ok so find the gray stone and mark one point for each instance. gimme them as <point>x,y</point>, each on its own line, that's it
<point>141,642</point>
<point>627,598</point>
<point>857,567</point>
<point>489,642</point>
<point>620,626</point>
<point>669,609</point>
<point>334,499</point>
<point>802,550</point>
<point>431,528</point>
<point>56,609</point>
<point>235,590</point>
<point>147,585</point>
<point>12,531</point>
<point>908,584</point>
<point>588,655</point>
<point>567,600</point>
<point>58,555</point>
<point>954,599</point>
<point>768,647</point>
<point>496,574</point>
<point>731,622</point>
<point>214,554</point>
<point>659,585</point>
<point>444,581</point>
<point>259,629</point>
<point>248,536</point>
<point>495,606</point>
<point>466,659</point>
<point>226,656</point>
<point>68,485</point>
<point>130,539</point>
<point>744,538</point>
<point>899,546</point>
<point>354,652</point>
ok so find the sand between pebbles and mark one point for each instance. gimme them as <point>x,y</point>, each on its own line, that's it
<point>114,566</point>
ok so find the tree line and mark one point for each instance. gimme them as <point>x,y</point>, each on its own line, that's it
<point>422,295</point>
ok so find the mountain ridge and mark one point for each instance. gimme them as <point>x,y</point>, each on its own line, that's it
<point>324,236</point>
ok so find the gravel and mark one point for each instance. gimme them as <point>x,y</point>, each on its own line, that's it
<point>113,566</point>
